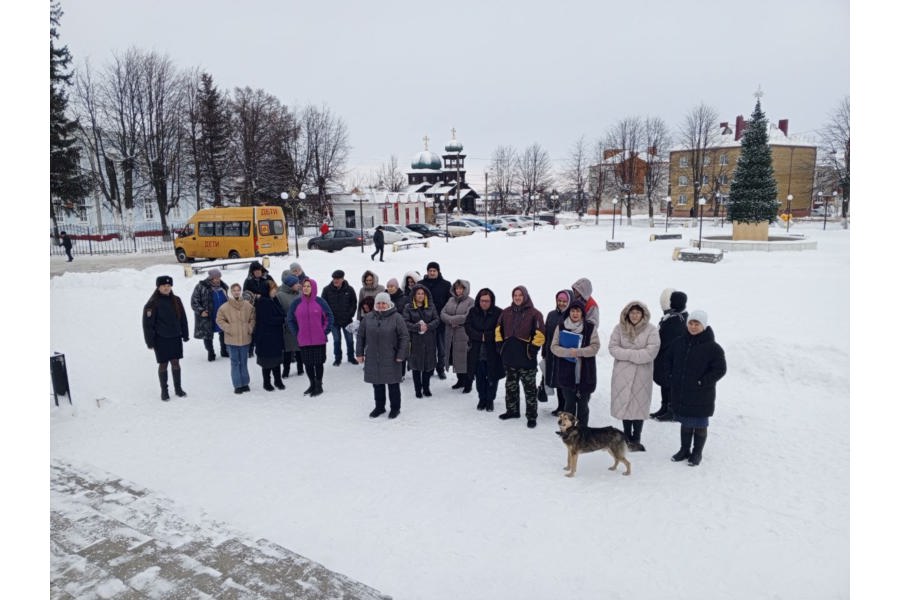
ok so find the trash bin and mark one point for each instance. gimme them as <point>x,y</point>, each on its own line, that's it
<point>59,376</point>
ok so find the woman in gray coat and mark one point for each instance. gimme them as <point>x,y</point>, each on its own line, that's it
<point>382,344</point>
<point>634,344</point>
<point>456,340</point>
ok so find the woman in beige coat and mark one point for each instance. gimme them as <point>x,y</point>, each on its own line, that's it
<point>456,340</point>
<point>634,344</point>
<point>237,318</point>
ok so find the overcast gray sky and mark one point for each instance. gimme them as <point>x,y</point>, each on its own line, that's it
<point>499,72</point>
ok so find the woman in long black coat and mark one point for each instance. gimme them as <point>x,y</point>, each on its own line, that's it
<point>165,327</point>
<point>694,364</point>
<point>422,320</point>
<point>268,337</point>
<point>484,361</point>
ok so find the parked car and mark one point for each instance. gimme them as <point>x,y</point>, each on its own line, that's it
<point>819,211</point>
<point>504,223</point>
<point>460,227</point>
<point>337,239</point>
<point>527,220</point>
<point>427,230</point>
<point>396,233</point>
<point>480,223</point>
<point>548,218</point>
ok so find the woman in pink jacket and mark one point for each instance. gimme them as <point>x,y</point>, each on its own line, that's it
<point>310,319</point>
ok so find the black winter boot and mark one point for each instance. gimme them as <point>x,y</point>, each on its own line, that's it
<point>460,383</point>
<point>299,362</point>
<point>426,384</point>
<point>686,434</point>
<point>637,426</point>
<point>278,383</point>
<point>223,348</point>
<point>176,379</point>
<point>286,364</point>
<point>699,442</point>
<point>627,428</point>
<point>164,384</point>
<point>318,372</point>
<point>467,381</point>
<point>267,380</point>
<point>417,383</point>
<point>210,350</point>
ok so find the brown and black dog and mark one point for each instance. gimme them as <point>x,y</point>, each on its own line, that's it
<point>579,440</point>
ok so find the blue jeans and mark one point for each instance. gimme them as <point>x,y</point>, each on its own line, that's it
<point>240,376</point>
<point>348,337</point>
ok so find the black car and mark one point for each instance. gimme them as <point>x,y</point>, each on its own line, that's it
<point>337,239</point>
<point>427,230</point>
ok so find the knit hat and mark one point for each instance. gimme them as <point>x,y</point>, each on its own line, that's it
<point>163,280</point>
<point>678,301</point>
<point>383,297</point>
<point>393,282</point>
<point>699,316</point>
<point>284,275</point>
<point>296,266</point>
<point>338,274</point>
<point>433,265</point>
<point>291,280</point>
<point>214,273</point>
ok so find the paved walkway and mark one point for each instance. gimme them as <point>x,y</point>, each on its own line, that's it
<point>112,539</point>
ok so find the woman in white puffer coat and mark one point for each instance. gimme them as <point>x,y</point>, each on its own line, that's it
<point>634,344</point>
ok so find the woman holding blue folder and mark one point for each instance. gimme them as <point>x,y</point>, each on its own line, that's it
<point>576,342</point>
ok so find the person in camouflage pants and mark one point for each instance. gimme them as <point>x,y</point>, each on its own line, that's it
<point>519,336</point>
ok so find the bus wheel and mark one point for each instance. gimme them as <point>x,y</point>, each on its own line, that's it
<point>180,255</point>
<point>234,254</point>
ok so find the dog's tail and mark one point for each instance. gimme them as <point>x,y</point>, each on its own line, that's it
<point>636,447</point>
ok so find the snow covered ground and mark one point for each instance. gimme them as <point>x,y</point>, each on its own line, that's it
<point>446,502</point>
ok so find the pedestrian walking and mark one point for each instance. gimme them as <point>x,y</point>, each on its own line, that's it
<point>484,360</point>
<point>382,345</point>
<point>378,239</point>
<point>310,319</point>
<point>694,364</point>
<point>165,328</point>
<point>208,296</point>
<point>66,242</point>
<point>634,343</point>
<point>237,318</point>
<point>520,333</point>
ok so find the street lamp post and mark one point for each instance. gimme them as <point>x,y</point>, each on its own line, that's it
<point>824,211</point>
<point>485,202</point>
<point>834,198</point>
<point>668,210</point>
<point>790,198</point>
<point>446,218</point>
<point>555,198</point>
<point>716,209</point>
<point>702,204</point>
<point>533,198</point>
<point>362,223</point>
<point>295,200</point>
<point>615,201</point>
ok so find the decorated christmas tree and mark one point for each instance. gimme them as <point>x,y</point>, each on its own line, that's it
<point>754,193</point>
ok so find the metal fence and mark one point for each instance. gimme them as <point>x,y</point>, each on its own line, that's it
<point>111,239</point>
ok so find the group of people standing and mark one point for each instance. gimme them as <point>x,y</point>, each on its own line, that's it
<point>429,325</point>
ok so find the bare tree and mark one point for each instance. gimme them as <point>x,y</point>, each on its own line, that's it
<point>576,172</point>
<point>328,145</point>
<point>698,135</point>
<point>656,141</point>
<point>599,181</point>
<point>390,175</point>
<point>624,140</point>
<point>836,150</point>
<point>160,105</point>
<point>534,174</point>
<point>503,173</point>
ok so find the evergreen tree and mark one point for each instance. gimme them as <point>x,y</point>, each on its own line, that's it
<point>754,192</point>
<point>67,182</point>
<point>215,126</point>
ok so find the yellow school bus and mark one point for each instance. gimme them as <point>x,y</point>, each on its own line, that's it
<point>233,232</point>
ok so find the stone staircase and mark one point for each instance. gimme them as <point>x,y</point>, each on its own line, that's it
<point>111,539</point>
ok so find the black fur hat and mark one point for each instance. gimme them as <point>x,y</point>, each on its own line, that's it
<point>163,280</point>
<point>678,301</point>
